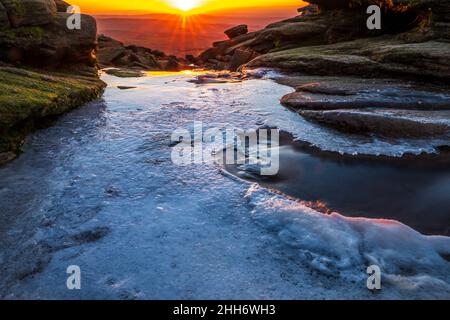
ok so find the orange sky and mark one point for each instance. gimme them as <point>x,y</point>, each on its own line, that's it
<point>174,6</point>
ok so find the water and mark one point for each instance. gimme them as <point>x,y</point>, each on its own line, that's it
<point>98,190</point>
<point>413,191</point>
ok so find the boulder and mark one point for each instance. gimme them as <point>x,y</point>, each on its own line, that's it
<point>107,55</point>
<point>240,57</point>
<point>237,31</point>
<point>61,6</point>
<point>51,45</point>
<point>104,42</point>
<point>71,45</point>
<point>210,53</point>
<point>30,12</point>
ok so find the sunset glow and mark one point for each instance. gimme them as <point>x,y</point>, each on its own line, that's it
<point>176,6</point>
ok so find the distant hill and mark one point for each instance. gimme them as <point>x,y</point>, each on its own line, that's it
<point>175,35</point>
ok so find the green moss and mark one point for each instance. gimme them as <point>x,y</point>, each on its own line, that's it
<point>18,7</point>
<point>12,35</point>
<point>414,3</point>
<point>27,98</point>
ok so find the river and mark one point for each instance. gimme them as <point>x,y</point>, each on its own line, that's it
<point>98,190</point>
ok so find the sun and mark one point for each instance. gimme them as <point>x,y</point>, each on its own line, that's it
<point>186,5</point>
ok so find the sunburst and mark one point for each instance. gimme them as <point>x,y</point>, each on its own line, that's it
<point>186,5</point>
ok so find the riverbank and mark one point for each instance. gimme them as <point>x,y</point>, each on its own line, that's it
<point>46,68</point>
<point>31,99</point>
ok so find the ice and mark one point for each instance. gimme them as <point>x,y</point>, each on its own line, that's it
<point>336,245</point>
<point>98,190</point>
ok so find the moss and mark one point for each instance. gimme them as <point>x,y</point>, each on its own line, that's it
<point>18,7</point>
<point>414,3</point>
<point>27,98</point>
<point>12,35</point>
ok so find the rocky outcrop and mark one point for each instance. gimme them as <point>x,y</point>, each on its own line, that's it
<point>237,31</point>
<point>34,36</point>
<point>377,123</point>
<point>30,12</point>
<point>391,83</point>
<point>39,36</point>
<point>113,53</point>
<point>331,38</point>
<point>333,93</point>
<point>386,108</point>
<point>61,5</point>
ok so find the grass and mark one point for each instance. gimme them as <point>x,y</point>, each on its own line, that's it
<point>27,98</point>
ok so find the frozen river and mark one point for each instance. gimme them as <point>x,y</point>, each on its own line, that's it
<point>99,190</point>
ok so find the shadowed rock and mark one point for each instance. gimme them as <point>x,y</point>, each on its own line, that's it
<point>240,57</point>
<point>30,12</point>
<point>61,5</point>
<point>4,21</point>
<point>236,31</point>
<point>384,125</point>
<point>113,53</point>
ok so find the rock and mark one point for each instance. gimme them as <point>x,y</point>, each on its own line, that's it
<point>297,30</point>
<point>51,45</point>
<point>365,57</point>
<point>190,58</point>
<point>218,77</point>
<point>126,87</point>
<point>71,45</point>
<point>237,31</point>
<point>124,73</point>
<point>369,123</point>
<point>107,56</point>
<point>4,20</point>
<point>307,10</point>
<point>6,157</point>
<point>30,12</point>
<point>240,58</point>
<point>61,6</point>
<point>347,93</point>
<point>172,65</point>
<point>113,53</point>
<point>210,53</point>
<point>106,42</point>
